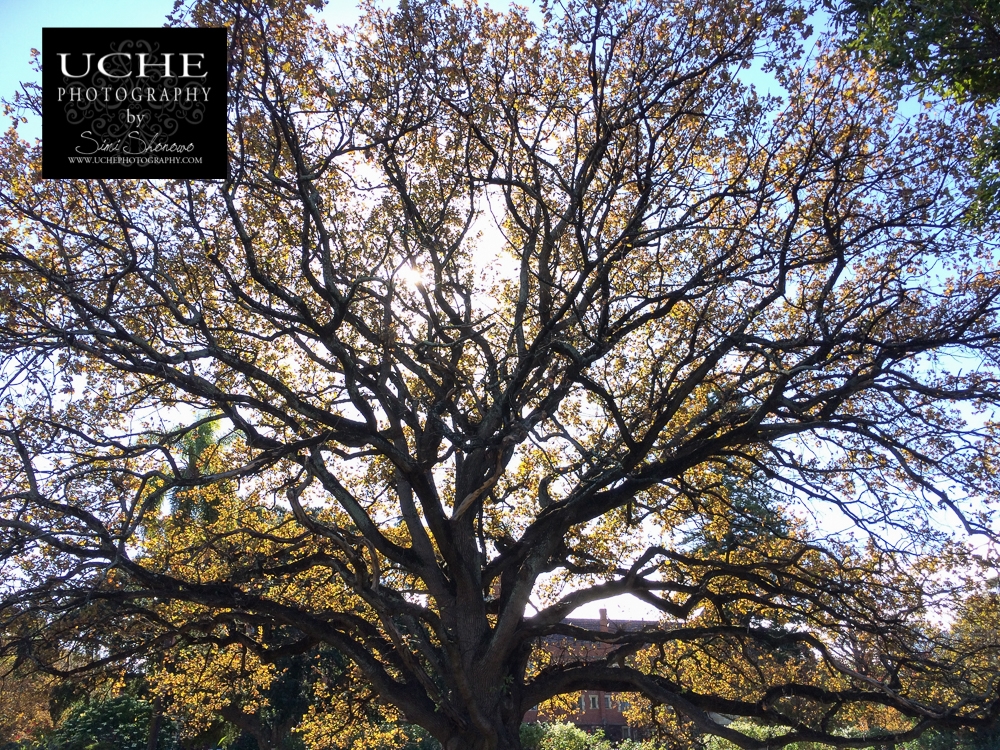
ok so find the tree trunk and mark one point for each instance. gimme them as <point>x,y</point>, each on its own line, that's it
<point>154,724</point>
<point>505,735</point>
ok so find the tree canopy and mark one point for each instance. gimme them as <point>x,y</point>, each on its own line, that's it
<point>951,46</point>
<point>499,313</point>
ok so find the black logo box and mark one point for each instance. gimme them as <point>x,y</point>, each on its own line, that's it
<point>128,103</point>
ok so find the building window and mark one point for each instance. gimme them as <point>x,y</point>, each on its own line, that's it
<point>595,701</point>
<point>583,703</point>
<point>626,733</point>
<point>607,701</point>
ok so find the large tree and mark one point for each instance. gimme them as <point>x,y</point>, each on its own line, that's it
<point>505,312</point>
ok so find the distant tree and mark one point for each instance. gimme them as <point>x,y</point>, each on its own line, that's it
<point>508,313</point>
<point>24,702</point>
<point>283,703</point>
<point>951,47</point>
<point>226,693</point>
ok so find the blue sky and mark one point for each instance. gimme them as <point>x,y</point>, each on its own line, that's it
<point>21,22</point>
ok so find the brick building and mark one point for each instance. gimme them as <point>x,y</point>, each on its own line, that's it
<point>596,709</point>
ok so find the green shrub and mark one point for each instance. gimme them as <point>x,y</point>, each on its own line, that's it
<point>561,737</point>
<point>114,724</point>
